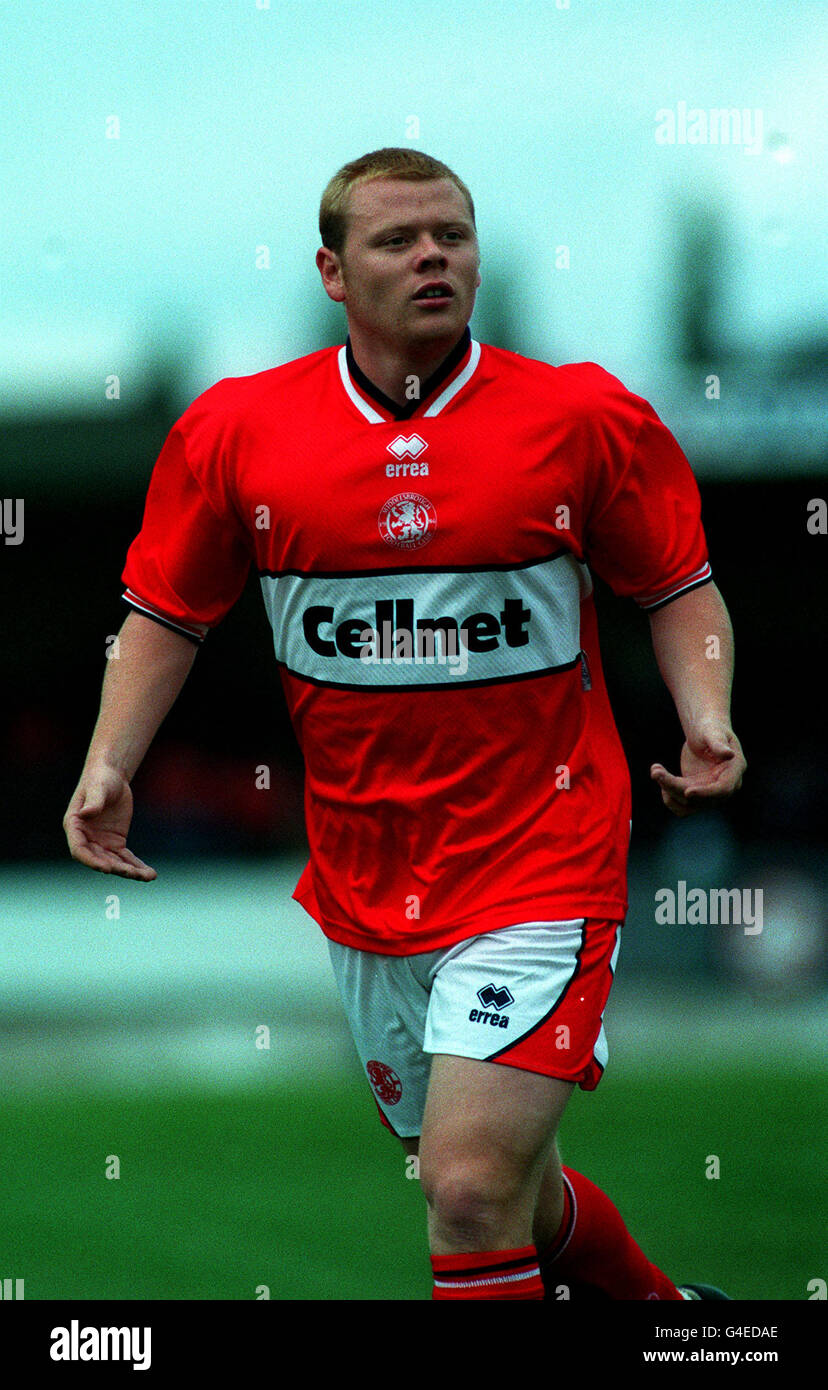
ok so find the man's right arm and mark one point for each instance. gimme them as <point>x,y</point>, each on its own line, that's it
<point>140,686</point>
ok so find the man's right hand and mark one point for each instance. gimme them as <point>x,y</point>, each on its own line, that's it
<point>139,688</point>
<point>97,822</point>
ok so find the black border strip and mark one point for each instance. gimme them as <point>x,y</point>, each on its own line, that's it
<point>505,567</point>
<point>165,622</point>
<point>535,1026</point>
<point>475,1272</point>
<point>654,607</point>
<point>436,685</point>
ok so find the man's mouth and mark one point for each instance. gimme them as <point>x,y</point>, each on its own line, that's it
<point>436,292</point>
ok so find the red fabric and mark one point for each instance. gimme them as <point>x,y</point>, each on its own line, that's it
<point>439,804</point>
<point>563,1045</point>
<point>600,1252</point>
<point>493,1274</point>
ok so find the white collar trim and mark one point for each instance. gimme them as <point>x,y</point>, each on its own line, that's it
<point>373,416</point>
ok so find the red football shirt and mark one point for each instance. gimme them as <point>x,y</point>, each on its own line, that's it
<point>427,576</point>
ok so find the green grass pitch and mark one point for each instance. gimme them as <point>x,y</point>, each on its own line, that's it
<point>300,1189</point>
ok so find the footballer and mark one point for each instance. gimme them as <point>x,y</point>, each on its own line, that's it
<point>424,513</point>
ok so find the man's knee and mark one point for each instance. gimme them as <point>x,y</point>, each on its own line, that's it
<point>474,1195</point>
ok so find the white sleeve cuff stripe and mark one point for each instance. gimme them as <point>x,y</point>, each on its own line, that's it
<point>699,577</point>
<point>141,606</point>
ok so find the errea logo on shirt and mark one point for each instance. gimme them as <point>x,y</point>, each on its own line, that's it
<point>401,446</point>
<point>405,447</point>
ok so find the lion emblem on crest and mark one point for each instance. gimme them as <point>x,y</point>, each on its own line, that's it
<point>407,520</point>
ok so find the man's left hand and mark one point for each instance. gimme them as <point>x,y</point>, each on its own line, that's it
<point>712,766</point>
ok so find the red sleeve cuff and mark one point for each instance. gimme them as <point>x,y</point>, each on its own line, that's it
<point>700,576</point>
<point>195,631</point>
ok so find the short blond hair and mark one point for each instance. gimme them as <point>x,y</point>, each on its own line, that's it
<point>389,163</point>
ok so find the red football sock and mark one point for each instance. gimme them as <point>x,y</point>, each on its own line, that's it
<point>593,1247</point>
<point>488,1274</point>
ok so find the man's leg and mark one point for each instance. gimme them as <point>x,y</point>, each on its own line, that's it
<point>488,1131</point>
<point>588,1253</point>
<point>551,1204</point>
<point>489,1168</point>
<point>493,1179</point>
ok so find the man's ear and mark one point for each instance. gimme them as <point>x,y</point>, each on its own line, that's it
<point>330,268</point>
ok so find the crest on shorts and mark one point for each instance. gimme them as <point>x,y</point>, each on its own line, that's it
<point>385,1082</point>
<point>500,998</point>
<point>407,520</point>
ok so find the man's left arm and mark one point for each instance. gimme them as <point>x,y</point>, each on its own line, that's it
<point>693,644</point>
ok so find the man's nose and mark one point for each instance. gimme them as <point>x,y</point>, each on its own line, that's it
<point>429,250</point>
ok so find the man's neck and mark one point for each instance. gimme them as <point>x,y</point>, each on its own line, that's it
<point>391,370</point>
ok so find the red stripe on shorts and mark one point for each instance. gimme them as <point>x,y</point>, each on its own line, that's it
<point>561,1043</point>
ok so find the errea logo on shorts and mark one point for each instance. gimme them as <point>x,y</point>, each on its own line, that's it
<point>501,998</point>
<point>488,995</point>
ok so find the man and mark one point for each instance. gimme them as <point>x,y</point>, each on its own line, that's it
<point>422,512</point>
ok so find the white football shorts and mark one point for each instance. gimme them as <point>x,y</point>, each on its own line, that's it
<point>529,996</point>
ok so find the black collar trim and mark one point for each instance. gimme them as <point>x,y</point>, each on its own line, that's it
<point>404,412</point>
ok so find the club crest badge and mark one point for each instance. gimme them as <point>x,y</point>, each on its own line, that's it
<point>407,521</point>
<point>385,1082</point>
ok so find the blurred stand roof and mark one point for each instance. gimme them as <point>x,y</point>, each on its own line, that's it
<point>86,406</point>
<point>762,417</point>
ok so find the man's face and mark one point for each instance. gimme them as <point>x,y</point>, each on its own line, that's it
<point>401,238</point>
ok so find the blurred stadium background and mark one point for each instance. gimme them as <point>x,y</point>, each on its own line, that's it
<point>180,251</point>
